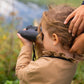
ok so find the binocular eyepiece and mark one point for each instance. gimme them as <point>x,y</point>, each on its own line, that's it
<point>30,33</point>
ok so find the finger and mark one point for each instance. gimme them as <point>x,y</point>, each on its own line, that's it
<point>69,17</point>
<point>72,23</point>
<point>24,29</point>
<point>81,28</point>
<point>19,36</point>
<point>76,26</point>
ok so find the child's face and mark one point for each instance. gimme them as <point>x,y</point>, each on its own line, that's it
<point>47,40</point>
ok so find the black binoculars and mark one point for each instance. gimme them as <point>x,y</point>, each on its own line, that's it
<point>30,33</point>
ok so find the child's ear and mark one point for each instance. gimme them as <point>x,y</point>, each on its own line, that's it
<point>55,39</point>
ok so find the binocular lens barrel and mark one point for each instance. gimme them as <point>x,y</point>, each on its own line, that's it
<point>30,33</point>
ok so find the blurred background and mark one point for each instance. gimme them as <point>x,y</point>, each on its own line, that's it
<point>15,15</point>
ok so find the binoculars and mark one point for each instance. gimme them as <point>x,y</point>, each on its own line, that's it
<point>30,33</point>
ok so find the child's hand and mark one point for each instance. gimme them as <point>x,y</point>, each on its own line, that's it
<point>24,41</point>
<point>78,45</point>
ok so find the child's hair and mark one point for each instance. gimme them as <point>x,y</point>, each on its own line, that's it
<point>53,21</point>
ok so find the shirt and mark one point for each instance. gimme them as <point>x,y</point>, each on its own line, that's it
<point>44,70</point>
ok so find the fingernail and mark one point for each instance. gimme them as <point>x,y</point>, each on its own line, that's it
<point>65,22</point>
<point>69,31</point>
<point>73,35</point>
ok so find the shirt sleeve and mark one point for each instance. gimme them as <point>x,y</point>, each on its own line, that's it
<point>23,61</point>
<point>26,69</point>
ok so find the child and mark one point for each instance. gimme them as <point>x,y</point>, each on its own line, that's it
<point>55,65</point>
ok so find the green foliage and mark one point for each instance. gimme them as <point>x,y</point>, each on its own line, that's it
<point>12,82</point>
<point>9,50</point>
<point>74,3</point>
<point>79,76</point>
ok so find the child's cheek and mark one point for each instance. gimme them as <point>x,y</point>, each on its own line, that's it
<point>44,44</point>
